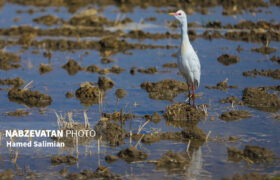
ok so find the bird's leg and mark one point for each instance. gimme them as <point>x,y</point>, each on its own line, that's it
<point>193,95</point>
<point>189,94</point>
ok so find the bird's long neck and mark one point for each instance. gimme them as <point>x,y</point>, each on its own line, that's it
<point>184,33</point>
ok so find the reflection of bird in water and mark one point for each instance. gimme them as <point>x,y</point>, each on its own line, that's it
<point>195,168</point>
<point>188,61</point>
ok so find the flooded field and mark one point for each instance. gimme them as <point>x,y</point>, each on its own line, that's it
<point>110,68</point>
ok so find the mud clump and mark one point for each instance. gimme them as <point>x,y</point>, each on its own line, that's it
<point>150,70</point>
<point>155,117</point>
<point>222,86</point>
<point>9,60</point>
<point>7,174</point>
<point>112,133</point>
<point>93,68</point>
<point>227,59</point>
<point>231,100</point>
<point>150,139</point>
<point>254,154</point>
<point>69,94</point>
<point>234,115</point>
<point>133,70</point>
<point>131,154</point>
<point>261,100</point>
<point>165,89</point>
<point>182,115</point>
<point>105,83</point>
<point>170,65</point>
<point>111,158</point>
<point>16,82</point>
<point>120,93</point>
<point>45,68</point>
<point>57,160</point>
<point>275,74</point>
<point>264,50</point>
<point>172,162</point>
<point>29,97</point>
<point>72,67</point>
<point>118,116</point>
<point>18,113</point>
<point>107,60</point>
<point>89,94</point>
<point>275,59</point>
<point>250,176</point>
<point>48,20</point>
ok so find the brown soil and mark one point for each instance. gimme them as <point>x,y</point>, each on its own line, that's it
<point>111,158</point>
<point>261,100</point>
<point>72,67</point>
<point>69,94</point>
<point>9,60</point>
<point>45,68</point>
<point>112,133</point>
<point>227,59</point>
<point>16,82</point>
<point>7,174</point>
<point>150,70</point>
<point>255,154</point>
<point>29,97</point>
<point>107,60</point>
<point>264,50</point>
<point>275,74</point>
<point>48,20</point>
<point>222,86</point>
<point>165,89</point>
<point>118,116</point>
<point>170,65</point>
<point>173,162</point>
<point>89,94</point>
<point>275,59</point>
<point>105,83</point>
<point>182,115</point>
<point>131,154</point>
<point>57,160</point>
<point>120,93</point>
<point>155,117</point>
<point>231,100</point>
<point>250,176</point>
<point>234,115</point>
<point>18,113</point>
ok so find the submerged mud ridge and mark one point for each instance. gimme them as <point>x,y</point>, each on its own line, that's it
<point>29,97</point>
<point>16,82</point>
<point>275,74</point>
<point>165,89</point>
<point>234,115</point>
<point>89,94</point>
<point>255,154</point>
<point>182,115</point>
<point>9,60</point>
<point>261,100</point>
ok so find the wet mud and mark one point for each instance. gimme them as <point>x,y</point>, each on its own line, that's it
<point>105,83</point>
<point>149,70</point>
<point>222,86</point>
<point>227,59</point>
<point>45,68</point>
<point>275,74</point>
<point>232,100</point>
<point>120,93</point>
<point>111,158</point>
<point>170,65</point>
<point>48,20</point>
<point>132,154</point>
<point>250,176</point>
<point>7,174</point>
<point>18,113</point>
<point>234,115</point>
<point>57,160</point>
<point>15,82</point>
<point>72,67</point>
<point>89,94</point>
<point>275,59</point>
<point>9,60</point>
<point>165,89</point>
<point>118,116</point>
<point>155,117</point>
<point>264,50</point>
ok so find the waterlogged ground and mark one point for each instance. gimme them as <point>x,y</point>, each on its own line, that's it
<point>130,44</point>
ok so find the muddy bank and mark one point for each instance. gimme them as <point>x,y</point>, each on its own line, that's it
<point>182,115</point>
<point>261,100</point>
<point>234,115</point>
<point>72,67</point>
<point>29,97</point>
<point>222,86</point>
<point>57,160</point>
<point>227,59</point>
<point>15,82</point>
<point>9,60</point>
<point>132,154</point>
<point>275,74</point>
<point>18,113</point>
<point>251,154</point>
<point>45,68</point>
<point>88,94</point>
<point>165,89</point>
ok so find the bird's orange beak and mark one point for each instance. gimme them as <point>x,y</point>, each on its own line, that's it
<point>172,14</point>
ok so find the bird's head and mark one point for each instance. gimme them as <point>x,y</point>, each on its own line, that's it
<point>180,15</point>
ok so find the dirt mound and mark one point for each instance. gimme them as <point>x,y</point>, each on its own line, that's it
<point>16,82</point>
<point>254,154</point>
<point>275,74</point>
<point>105,83</point>
<point>131,154</point>
<point>165,89</point>
<point>18,113</point>
<point>222,86</point>
<point>264,50</point>
<point>48,20</point>
<point>234,115</point>
<point>29,97</point>
<point>120,93</point>
<point>57,160</point>
<point>112,133</point>
<point>9,60</point>
<point>182,115</point>
<point>227,59</point>
<point>261,100</point>
<point>89,94</point>
<point>72,67</point>
<point>150,70</point>
<point>45,68</point>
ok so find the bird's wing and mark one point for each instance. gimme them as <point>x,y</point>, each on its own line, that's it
<point>195,69</point>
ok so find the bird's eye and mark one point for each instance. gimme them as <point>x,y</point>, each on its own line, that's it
<point>179,14</point>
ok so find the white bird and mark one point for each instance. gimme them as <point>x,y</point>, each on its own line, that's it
<point>188,61</point>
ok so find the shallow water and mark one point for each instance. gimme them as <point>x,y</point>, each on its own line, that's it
<point>209,162</point>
